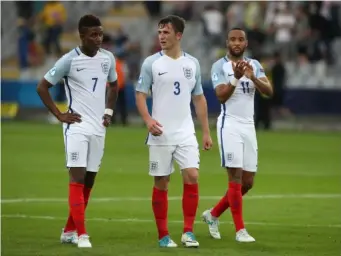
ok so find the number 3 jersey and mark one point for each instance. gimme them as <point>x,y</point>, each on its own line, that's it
<point>85,80</point>
<point>240,106</point>
<point>172,83</point>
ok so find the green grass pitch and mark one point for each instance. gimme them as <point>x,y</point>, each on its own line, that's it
<point>294,208</point>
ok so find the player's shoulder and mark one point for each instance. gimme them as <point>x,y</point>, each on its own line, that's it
<point>152,58</point>
<point>69,56</point>
<point>149,60</point>
<point>253,61</point>
<point>220,63</point>
<point>191,58</point>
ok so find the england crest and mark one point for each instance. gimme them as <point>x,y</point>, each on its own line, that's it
<point>74,156</point>
<point>105,67</point>
<point>229,157</point>
<point>188,72</point>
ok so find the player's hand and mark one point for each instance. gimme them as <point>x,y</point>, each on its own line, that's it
<point>69,118</point>
<point>238,68</point>
<point>106,120</point>
<point>207,141</point>
<point>248,71</point>
<point>154,127</point>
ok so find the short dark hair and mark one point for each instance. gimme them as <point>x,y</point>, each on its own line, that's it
<point>88,20</point>
<point>236,28</point>
<point>177,22</point>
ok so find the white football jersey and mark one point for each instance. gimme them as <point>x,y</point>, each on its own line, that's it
<point>172,84</point>
<point>240,106</point>
<point>85,80</point>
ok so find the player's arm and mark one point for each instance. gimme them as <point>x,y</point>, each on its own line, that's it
<point>200,105</point>
<point>51,78</point>
<point>260,80</point>
<point>142,89</point>
<point>223,88</point>
<point>112,92</point>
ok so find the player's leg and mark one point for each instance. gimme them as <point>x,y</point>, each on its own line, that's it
<point>76,150</point>
<point>188,159</point>
<point>231,150</point>
<point>95,155</point>
<point>88,184</point>
<point>161,167</point>
<point>250,158</point>
<point>250,152</point>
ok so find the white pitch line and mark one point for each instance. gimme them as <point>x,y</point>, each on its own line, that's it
<point>135,220</point>
<point>171,198</point>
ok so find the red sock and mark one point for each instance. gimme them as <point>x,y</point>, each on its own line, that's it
<point>86,193</point>
<point>235,199</point>
<point>70,225</point>
<point>190,199</point>
<point>76,203</point>
<point>160,209</point>
<point>223,205</point>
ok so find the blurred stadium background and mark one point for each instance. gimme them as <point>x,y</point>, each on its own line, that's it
<point>294,208</point>
<point>298,43</point>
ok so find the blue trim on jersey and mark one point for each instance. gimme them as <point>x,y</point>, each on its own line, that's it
<point>160,53</point>
<point>147,139</point>
<point>221,137</point>
<point>77,51</point>
<point>226,59</point>
<point>70,96</point>
<point>66,144</point>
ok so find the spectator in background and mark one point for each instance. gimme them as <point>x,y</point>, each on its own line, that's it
<point>121,40</point>
<point>183,9</point>
<point>153,8</point>
<point>263,103</point>
<point>283,26</point>
<point>156,47</point>
<point>212,20</point>
<point>121,70</point>
<point>53,17</point>
<point>235,15</point>
<point>278,75</point>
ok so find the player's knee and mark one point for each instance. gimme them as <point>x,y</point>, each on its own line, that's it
<point>161,182</point>
<point>247,185</point>
<point>235,174</point>
<point>190,176</point>
<point>77,175</point>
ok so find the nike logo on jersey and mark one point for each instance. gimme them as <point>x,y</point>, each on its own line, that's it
<point>160,74</point>
<point>80,69</point>
<point>230,74</point>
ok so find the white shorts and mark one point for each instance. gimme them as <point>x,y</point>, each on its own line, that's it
<point>84,151</point>
<point>161,158</point>
<point>238,146</point>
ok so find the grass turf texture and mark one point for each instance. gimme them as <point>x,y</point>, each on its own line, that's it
<point>294,208</point>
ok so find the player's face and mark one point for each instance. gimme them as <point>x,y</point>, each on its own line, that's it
<point>92,38</point>
<point>236,43</point>
<point>167,36</point>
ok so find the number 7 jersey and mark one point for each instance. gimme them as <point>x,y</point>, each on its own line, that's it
<point>85,80</point>
<point>172,83</point>
<point>240,106</point>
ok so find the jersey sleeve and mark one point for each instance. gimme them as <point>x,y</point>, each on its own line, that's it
<point>259,70</point>
<point>146,77</point>
<point>217,74</point>
<point>112,76</point>
<point>197,90</point>
<point>60,69</point>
